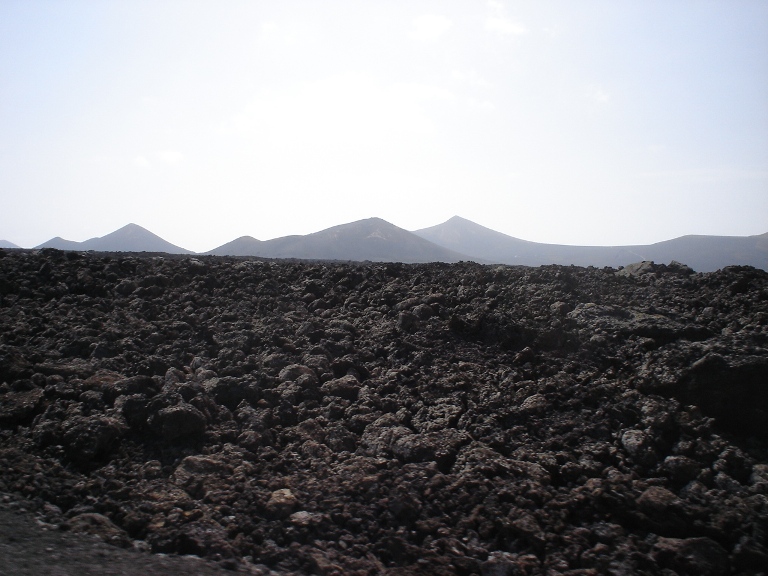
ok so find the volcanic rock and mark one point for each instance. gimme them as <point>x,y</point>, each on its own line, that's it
<point>178,421</point>
<point>281,503</point>
<point>19,406</point>
<point>310,417</point>
<point>101,526</point>
<point>692,556</point>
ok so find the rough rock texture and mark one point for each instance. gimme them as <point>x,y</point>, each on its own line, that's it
<point>340,418</point>
<point>33,547</point>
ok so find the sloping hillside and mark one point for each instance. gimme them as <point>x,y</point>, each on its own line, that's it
<point>372,239</point>
<point>702,253</point>
<point>129,238</point>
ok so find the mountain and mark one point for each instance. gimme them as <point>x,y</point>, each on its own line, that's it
<point>708,253</point>
<point>129,238</point>
<point>480,242</point>
<point>371,239</point>
<point>243,246</point>
<point>61,244</point>
<point>702,253</point>
<point>456,239</point>
<point>6,244</point>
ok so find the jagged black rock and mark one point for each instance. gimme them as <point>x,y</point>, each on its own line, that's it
<point>345,418</point>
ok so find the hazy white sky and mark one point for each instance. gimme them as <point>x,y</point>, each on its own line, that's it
<point>590,122</point>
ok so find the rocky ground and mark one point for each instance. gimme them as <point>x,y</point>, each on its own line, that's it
<point>312,418</point>
<point>30,546</point>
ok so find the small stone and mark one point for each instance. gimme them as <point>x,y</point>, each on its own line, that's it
<point>423,311</point>
<point>525,355</point>
<point>638,445</point>
<point>101,526</point>
<point>303,519</point>
<point>535,403</point>
<point>407,322</point>
<point>528,528</point>
<point>345,387</point>
<point>499,564</point>
<point>656,500</point>
<point>281,503</point>
<point>15,407</point>
<point>560,308</point>
<point>681,469</point>
<point>193,467</point>
<point>637,269</point>
<point>179,421</point>
<point>294,371</point>
<point>90,438</point>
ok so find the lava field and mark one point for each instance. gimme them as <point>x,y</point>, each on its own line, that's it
<point>287,417</point>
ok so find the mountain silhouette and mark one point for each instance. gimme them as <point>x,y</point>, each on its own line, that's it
<point>371,239</point>
<point>243,246</point>
<point>702,253</point>
<point>708,253</point>
<point>61,244</point>
<point>377,240</point>
<point>6,244</point>
<point>129,238</point>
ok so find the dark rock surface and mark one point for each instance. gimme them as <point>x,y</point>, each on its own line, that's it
<point>86,546</point>
<point>314,418</point>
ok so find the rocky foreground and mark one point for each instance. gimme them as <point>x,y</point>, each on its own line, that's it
<point>383,418</point>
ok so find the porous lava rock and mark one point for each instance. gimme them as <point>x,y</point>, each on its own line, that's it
<point>364,418</point>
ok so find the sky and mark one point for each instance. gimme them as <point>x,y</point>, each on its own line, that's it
<point>598,122</point>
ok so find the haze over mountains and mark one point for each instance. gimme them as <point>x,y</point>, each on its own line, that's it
<point>457,239</point>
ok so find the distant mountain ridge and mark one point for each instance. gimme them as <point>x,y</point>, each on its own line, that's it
<point>6,244</point>
<point>371,239</point>
<point>377,240</point>
<point>129,238</point>
<point>702,253</point>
